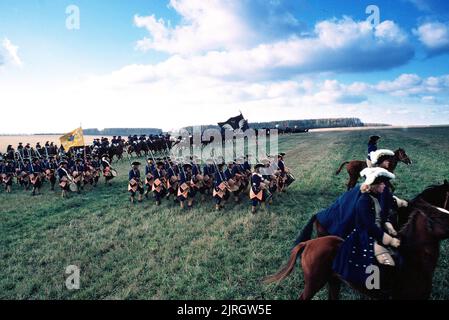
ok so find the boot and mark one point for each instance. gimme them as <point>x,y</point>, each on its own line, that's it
<point>253,209</point>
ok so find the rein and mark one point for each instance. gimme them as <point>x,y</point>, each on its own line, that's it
<point>445,202</point>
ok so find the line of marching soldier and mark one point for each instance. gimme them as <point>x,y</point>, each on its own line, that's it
<point>184,180</point>
<point>72,173</point>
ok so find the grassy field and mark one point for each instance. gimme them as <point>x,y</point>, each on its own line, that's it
<point>149,252</point>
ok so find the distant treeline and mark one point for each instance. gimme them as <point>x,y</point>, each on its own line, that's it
<point>377,125</point>
<point>310,123</point>
<point>124,132</point>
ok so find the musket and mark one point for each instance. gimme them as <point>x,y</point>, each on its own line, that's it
<point>219,173</point>
<point>21,160</point>
<point>152,156</point>
<point>36,151</point>
<point>69,177</point>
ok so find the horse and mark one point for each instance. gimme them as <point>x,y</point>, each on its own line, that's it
<point>354,167</point>
<point>437,195</point>
<point>420,237</point>
<point>116,150</point>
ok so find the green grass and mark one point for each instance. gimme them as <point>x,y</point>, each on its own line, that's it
<point>149,252</point>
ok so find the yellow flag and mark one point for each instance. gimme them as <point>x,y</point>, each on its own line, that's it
<point>72,139</point>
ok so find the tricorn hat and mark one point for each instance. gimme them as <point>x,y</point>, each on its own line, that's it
<point>378,156</point>
<point>259,165</point>
<point>187,165</point>
<point>376,175</point>
<point>136,163</point>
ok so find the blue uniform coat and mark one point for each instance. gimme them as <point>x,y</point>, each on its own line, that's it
<point>357,251</point>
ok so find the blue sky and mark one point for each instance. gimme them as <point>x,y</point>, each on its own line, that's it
<point>170,63</point>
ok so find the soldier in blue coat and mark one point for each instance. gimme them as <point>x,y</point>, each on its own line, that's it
<point>259,192</point>
<point>368,243</point>
<point>372,146</point>
<point>186,192</point>
<point>159,182</point>
<point>135,183</point>
<point>63,175</point>
<point>35,170</point>
<point>281,172</point>
<point>220,189</point>
<point>149,168</point>
<point>172,180</point>
<point>77,173</point>
<point>8,170</point>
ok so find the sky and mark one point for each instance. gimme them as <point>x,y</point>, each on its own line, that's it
<point>173,63</point>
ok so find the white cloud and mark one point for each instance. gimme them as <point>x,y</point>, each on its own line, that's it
<point>10,53</point>
<point>206,25</point>
<point>434,36</point>
<point>219,38</point>
<point>413,85</point>
<point>335,45</point>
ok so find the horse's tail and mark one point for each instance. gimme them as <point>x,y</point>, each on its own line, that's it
<point>306,232</point>
<point>341,167</point>
<point>288,268</point>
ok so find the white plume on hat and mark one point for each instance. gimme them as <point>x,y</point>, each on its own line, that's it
<point>375,155</point>
<point>371,174</point>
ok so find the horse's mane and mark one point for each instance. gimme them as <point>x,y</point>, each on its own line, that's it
<point>407,229</point>
<point>426,190</point>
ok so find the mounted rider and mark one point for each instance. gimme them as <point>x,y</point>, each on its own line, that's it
<point>372,146</point>
<point>367,244</point>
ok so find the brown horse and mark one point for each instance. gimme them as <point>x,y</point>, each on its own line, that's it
<point>420,238</point>
<point>354,167</point>
<point>436,195</point>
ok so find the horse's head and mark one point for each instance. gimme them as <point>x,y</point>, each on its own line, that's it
<point>402,156</point>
